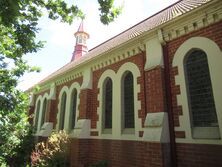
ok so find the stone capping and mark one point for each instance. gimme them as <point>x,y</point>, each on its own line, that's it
<point>31,99</point>
<point>199,20</point>
<point>45,130</point>
<point>52,93</point>
<point>82,129</point>
<point>156,128</point>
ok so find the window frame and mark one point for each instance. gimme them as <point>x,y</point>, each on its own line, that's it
<point>199,131</point>
<point>214,56</point>
<point>44,111</point>
<point>62,113</point>
<point>106,130</point>
<point>126,130</point>
<point>37,114</point>
<point>72,118</point>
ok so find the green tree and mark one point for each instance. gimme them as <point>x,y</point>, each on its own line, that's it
<point>18,29</point>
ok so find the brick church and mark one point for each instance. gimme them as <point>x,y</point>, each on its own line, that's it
<point>150,96</point>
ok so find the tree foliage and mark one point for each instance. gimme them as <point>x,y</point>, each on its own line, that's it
<point>18,30</point>
<point>108,11</point>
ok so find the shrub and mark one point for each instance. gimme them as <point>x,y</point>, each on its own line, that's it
<point>53,152</point>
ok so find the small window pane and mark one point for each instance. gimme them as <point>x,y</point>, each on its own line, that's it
<point>201,99</point>
<point>73,109</point>
<point>62,112</point>
<point>128,101</point>
<point>108,104</point>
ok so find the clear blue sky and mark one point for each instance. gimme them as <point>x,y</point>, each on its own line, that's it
<point>60,40</point>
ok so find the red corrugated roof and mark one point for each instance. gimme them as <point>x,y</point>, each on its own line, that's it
<point>179,8</point>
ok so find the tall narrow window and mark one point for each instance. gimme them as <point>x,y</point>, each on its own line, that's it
<point>73,109</point>
<point>107,101</point>
<point>200,94</point>
<point>128,101</point>
<point>37,115</point>
<point>44,108</point>
<point>62,111</point>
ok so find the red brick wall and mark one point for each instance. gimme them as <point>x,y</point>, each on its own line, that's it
<point>117,153</point>
<point>193,155</point>
<point>137,153</point>
<point>155,90</point>
<point>199,155</point>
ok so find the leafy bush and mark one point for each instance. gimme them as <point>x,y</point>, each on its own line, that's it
<point>53,152</point>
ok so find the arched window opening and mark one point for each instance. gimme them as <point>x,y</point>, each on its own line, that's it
<point>44,108</point>
<point>62,111</point>
<point>107,101</point>
<point>37,115</point>
<point>128,101</point>
<point>73,109</point>
<point>199,89</point>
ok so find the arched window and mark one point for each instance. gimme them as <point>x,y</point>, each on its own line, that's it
<point>62,111</point>
<point>73,109</point>
<point>199,90</point>
<point>107,104</point>
<point>44,108</point>
<point>37,115</point>
<point>128,100</point>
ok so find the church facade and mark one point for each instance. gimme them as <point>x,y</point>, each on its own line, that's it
<point>148,97</point>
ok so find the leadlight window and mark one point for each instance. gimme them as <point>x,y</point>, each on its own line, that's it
<point>108,100</point>
<point>62,111</point>
<point>73,108</point>
<point>128,101</point>
<point>44,108</point>
<point>200,94</point>
<point>37,115</point>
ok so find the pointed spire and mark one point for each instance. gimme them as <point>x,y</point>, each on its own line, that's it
<point>81,28</point>
<point>81,46</point>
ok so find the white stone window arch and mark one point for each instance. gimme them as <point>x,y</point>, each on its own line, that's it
<point>43,111</point>
<point>214,56</point>
<point>117,130</point>
<point>62,108</point>
<point>111,75</point>
<point>127,100</point>
<point>38,105</point>
<point>124,69</point>
<point>70,117</point>
<point>41,115</point>
<point>107,103</point>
